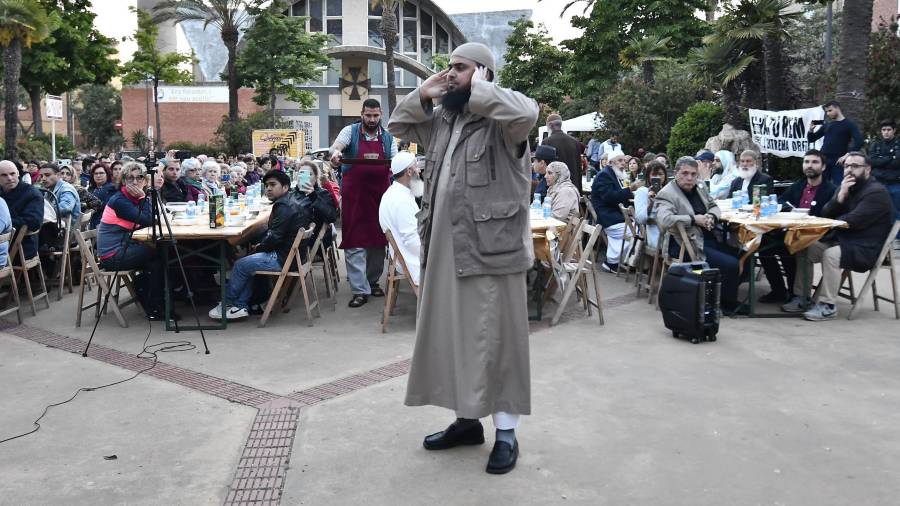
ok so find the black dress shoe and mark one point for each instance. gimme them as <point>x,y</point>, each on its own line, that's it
<point>358,300</point>
<point>503,457</point>
<point>377,291</point>
<point>454,436</point>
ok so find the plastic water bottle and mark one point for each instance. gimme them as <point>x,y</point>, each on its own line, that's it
<point>191,209</point>
<point>547,208</point>
<point>736,201</point>
<point>201,203</point>
<point>536,211</point>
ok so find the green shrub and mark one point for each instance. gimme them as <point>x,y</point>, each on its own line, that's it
<point>690,133</point>
<point>64,147</point>
<point>33,149</point>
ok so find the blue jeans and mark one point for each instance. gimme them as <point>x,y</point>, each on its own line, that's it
<point>894,190</point>
<point>141,257</point>
<point>240,285</point>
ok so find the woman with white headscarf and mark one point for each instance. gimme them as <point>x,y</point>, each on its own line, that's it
<point>725,172</point>
<point>563,194</point>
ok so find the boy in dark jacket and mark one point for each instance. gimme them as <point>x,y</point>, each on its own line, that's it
<point>865,205</point>
<point>885,156</point>
<point>286,218</point>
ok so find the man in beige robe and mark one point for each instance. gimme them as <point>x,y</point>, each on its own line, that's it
<point>471,352</point>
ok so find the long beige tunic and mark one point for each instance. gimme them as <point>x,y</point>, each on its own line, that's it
<point>471,352</point>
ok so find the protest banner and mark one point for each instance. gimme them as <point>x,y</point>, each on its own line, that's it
<point>290,143</point>
<point>783,133</point>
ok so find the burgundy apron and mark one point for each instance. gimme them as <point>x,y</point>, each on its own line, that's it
<point>363,186</point>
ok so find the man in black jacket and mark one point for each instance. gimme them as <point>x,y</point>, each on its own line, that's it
<point>885,156</point>
<point>866,206</point>
<point>26,205</point>
<point>812,192</point>
<point>567,148</point>
<point>286,218</point>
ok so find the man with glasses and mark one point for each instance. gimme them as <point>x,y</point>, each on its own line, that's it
<point>866,206</point>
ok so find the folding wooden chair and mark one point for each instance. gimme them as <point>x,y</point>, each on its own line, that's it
<point>318,248</point>
<point>585,262</point>
<point>393,280</point>
<point>885,261</point>
<point>630,235</point>
<point>666,260</point>
<point>26,265</point>
<point>63,264</point>
<point>304,271</point>
<point>106,281</point>
<point>647,259</point>
<point>6,272</point>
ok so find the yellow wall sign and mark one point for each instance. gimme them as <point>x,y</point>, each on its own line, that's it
<point>290,143</point>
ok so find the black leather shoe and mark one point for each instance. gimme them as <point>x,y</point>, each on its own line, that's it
<point>377,291</point>
<point>503,457</point>
<point>453,436</point>
<point>358,300</point>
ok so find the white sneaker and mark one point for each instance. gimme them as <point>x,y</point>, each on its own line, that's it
<point>236,313</point>
<point>216,312</point>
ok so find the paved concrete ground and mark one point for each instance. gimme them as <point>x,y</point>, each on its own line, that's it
<point>775,412</point>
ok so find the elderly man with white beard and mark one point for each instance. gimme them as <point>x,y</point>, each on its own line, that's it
<point>398,209</point>
<point>749,175</point>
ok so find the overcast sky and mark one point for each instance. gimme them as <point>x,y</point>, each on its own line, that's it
<point>114,20</point>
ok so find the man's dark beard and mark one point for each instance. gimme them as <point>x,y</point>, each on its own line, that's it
<point>454,101</point>
<point>372,128</point>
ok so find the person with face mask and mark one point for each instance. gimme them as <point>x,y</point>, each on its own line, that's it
<point>398,210</point>
<point>865,205</point>
<point>749,175</point>
<point>812,192</point>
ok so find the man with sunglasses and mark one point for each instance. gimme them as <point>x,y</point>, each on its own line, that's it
<point>865,205</point>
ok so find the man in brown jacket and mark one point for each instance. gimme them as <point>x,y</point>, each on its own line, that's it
<point>568,149</point>
<point>471,352</point>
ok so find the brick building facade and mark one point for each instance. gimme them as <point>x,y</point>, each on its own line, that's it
<point>194,120</point>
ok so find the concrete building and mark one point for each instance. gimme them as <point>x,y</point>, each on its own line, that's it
<point>357,70</point>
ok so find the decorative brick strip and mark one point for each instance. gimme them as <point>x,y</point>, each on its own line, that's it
<point>260,475</point>
<point>218,387</point>
<point>348,384</point>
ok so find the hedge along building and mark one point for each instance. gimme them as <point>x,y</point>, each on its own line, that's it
<point>357,72</point>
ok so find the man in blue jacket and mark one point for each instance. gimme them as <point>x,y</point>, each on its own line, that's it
<point>26,206</point>
<point>607,192</point>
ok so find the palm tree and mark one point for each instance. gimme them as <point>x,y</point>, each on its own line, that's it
<point>389,36</point>
<point>646,52</point>
<point>720,64</point>
<point>229,16</point>
<point>22,22</point>
<point>854,64</point>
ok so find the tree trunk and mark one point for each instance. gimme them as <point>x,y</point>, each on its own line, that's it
<point>731,99</point>
<point>12,66</point>
<point>230,38</point>
<point>157,139</point>
<point>272,103</point>
<point>649,73</point>
<point>711,10</point>
<point>389,35</point>
<point>35,95</point>
<point>775,82</point>
<point>854,58</point>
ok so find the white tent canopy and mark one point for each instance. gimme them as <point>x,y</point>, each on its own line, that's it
<point>584,123</point>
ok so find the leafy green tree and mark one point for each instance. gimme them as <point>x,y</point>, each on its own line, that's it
<point>644,114</point>
<point>278,56</point>
<point>22,22</point>
<point>97,109</point>
<point>615,24</point>
<point>75,53</point>
<point>229,16</point>
<point>149,64</point>
<point>691,131</point>
<point>646,53</point>
<point>534,65</point>
<point>882,86</point>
